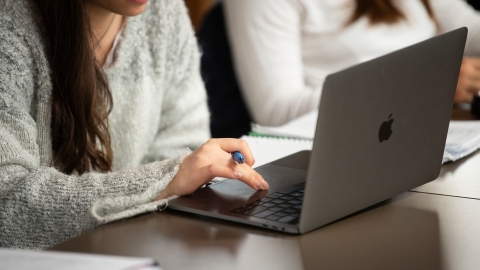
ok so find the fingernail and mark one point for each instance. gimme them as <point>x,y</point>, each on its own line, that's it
<point>258,184</point>
<point>265,184</point>
<point>237,175</point>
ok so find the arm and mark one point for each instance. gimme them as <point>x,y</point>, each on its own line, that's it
<point>266,43</point>
<point>40,206</point>
<point>452,14</point>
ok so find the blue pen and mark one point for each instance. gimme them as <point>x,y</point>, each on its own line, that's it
<point>239,158</point>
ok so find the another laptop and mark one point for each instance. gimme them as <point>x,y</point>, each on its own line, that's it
<point>381,131</point>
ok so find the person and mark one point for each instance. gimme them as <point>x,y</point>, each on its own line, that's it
<point>99,102</point>
<point>284,49</point>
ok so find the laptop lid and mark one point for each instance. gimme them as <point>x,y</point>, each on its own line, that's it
<point>381,128</point>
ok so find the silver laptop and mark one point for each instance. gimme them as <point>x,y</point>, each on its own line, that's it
<point>381,131</point>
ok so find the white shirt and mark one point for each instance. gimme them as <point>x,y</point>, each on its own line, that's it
<point>284,49</point>
<point>111,54</point>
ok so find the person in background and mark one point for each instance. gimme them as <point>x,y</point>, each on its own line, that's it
<point>284,49</point>
<point>99,102</point>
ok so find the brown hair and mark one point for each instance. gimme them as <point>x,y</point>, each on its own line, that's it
<point>382,11</point>
<point>81,99</point>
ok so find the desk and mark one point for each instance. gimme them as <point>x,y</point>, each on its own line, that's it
<point>413,230</point>
<point>461,178</point>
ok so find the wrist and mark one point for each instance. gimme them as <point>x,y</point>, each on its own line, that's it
<point>166,193</point>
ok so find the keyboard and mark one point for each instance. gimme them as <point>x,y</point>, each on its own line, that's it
<point>282,206</point>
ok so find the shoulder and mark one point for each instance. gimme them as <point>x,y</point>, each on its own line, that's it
<point>22,54</point>
<point>20,34</point>
<point>18,17</point>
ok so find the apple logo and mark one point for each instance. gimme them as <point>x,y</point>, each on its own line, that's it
<point>385,129</point>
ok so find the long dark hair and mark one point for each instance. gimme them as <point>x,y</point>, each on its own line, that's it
<point>382,11</point>
<point>81,96</point>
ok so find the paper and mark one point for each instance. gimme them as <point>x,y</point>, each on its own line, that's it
<point>266,150</point>
<point>49,260</point>
<point>463,139</point>
<point>463,136</point>
<point>301,127</point>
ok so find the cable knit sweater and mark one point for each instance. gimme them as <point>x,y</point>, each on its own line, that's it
<point>159,109</point>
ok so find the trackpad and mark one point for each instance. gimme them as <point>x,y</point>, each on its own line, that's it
<point>280,177</point>
<point>229,194</point>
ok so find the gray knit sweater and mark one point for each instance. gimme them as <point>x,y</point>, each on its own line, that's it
<point>159,110</point>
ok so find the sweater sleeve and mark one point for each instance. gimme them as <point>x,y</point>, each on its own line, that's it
<point>452,14</point>
<point>40,206</point>
<point>184,117</point>
<point>266,44</point>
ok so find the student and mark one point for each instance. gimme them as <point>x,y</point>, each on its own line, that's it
<point>284,49</point>
<point>93,93</point>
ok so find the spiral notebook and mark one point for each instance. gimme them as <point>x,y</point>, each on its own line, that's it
<point>267,149</point>
<point>462,140</point>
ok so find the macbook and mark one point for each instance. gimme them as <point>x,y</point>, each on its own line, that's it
<point>381,131</point>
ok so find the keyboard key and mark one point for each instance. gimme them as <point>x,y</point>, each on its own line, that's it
<point>290,210</point>
<point>285,205</point>
<point>274,195</point>
<point>266,199</point>
<point>258,209</point>
<point>264,214</point>
<point>294,201</point>
<point>286,197</point>
<point>268,204</point>
<point>272,217</point>
<point>292,188</point>
<point>276,208</point>
<point>280,214</point>
<point>278,201</point>
<point>296,194</point>
<point>286,219</point>
<point>297,206</point>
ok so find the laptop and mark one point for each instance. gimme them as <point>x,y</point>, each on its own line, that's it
<point>381,131</point>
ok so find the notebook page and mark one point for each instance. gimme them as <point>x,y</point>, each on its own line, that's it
<point>266,150</point>
<point>301,127</point>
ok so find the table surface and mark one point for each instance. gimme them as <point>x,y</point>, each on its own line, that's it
<point>461,178</point>
<point>414,230</point>
<point>410,231</point>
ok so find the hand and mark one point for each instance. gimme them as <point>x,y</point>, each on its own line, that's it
<point>468,80</point>
<point>210,160</point>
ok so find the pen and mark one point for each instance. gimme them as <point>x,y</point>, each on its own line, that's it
<point>239,158</point>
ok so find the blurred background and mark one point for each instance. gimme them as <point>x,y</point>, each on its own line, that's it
<point>230,116</point>
<point>198,9</point>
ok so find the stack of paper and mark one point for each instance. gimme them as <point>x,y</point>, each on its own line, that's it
<point>463,139</point>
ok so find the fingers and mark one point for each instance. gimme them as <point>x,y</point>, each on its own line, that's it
<point>236,171</point>
<point>472,61</point>
<point>468,81</point>
<point>463,97</point>
<point>232,145</point>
